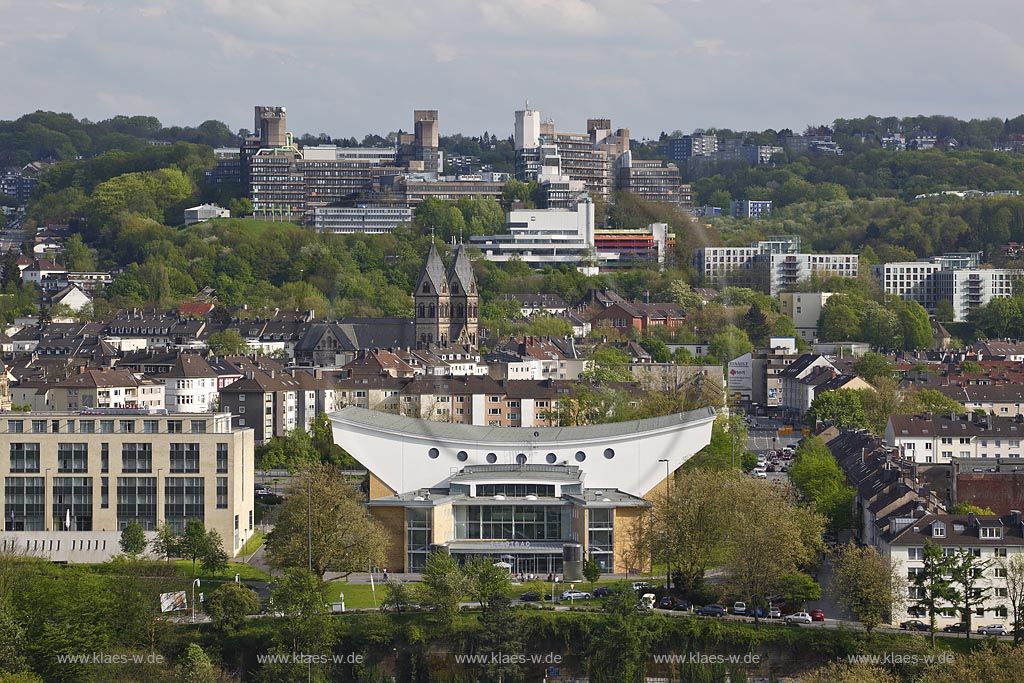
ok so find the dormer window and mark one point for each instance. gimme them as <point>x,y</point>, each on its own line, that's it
<point>991,532</point>
<point>938,530</point>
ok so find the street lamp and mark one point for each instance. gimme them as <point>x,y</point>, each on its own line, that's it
<point>668,559</point>
<point>194,585</point>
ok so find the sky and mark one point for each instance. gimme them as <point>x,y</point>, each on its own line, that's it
<point>351,67</point>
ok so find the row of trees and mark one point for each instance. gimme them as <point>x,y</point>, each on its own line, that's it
<point>871,408</point>
<point>890,324</point>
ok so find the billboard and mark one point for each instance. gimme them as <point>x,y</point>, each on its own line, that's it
<point>740,375</point>
<point>173,601</point>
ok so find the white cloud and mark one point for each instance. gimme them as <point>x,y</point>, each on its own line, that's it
<point>444,52</point>
<point>544,16</point>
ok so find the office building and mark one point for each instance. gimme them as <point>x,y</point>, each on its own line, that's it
<point>74,479</point>
<point>650,179</point>
<point>804,309</point>
<point>203,213</point>
<point>748,208</point>
<point>620,248</point>
<point>374,219</point>
<point>541,237</point>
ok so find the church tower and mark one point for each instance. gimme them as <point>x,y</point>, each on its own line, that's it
<point>464,299</point>
<point>432,302</point>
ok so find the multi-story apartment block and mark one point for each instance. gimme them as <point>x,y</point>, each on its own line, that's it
<point>681,149</point>
<point>99,388</point>
<point>787,270</point>
<point>994,540</point>
<point>934,438</point>
<point>750,208</point>
<point>74,479</point>
<point>771,265</point>
<point>804,309</point>
<point>190,385</point>
<point>650,179</point>
<point>957,279</point>
<point>265,402</point>
<point>625,248</point>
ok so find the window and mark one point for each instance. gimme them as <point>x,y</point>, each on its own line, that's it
<point>241,410</point>
<point>106,426</point>
<point>183,500</point>
<point>1001,592</point>
<point>150,426</point>
<point>999,552</point>
<point>136,502</point>
<point>24,503</point>
<point>24,457</point>
<point>222,458</point>
<point>127,426</point>
<point>185,457</point>
<point>104,457</point>
<point>174,426</point>
<point>104,492</point>
<point>222,493</point>
<point>991,532</point>
<point>915,553</point>
<point>87,426</point>
<point>241,398</point>
<point>938,530</point>
<point>38,426</point>
<point>198,426</point>
<point>137,457</point>
<point>250,520</point>
<point>16,426</point>
<point>72,457</point>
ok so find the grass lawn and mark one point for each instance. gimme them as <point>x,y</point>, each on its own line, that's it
<point>357,595</point>
<point>246,572</point>
<point>253,544</point>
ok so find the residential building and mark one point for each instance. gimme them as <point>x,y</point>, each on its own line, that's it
<point>938,438</point>
<point>650,179</point>
<point>681,149</point>
<point>770,265</point>
<point>97,388</point>
<point>804,309</point>
<point>190,385</point>
<point>265,402</point>
<point>749,208</point>
<point>801,380</point>
<point>74,479</point>
<point>639,316</point>
<point>622,248</point>
<point>788,270</point>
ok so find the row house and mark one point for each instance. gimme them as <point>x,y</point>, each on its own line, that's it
<point>105,388</point>
<point>639,316</point>
<point>191,385</point>
<point>266,402</point>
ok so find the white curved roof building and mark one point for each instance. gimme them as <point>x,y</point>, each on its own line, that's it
<point>521,494</point>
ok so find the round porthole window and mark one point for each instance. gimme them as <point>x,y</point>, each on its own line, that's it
<point>433,453</point>
<point>463,456</point>
<point>551,458</point>
<point>580,456</point>
<point>521,459</point>
<point>609,453</point>
<point>492,458</point>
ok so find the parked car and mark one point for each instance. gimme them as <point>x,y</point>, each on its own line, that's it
<point>682,606</point>
<point>958,627</point>
<point>798,618</point>
<point>602,592</point>
<point>739,607</point>
<point>575,595</point>
<point>530,596</point>
<point>711,611</point>
<point>914,625</point>
<point>642,586</point>
<point>774,613</point>
<point>992,630</point>
<point>646,601</point>
<point>667,602</point>
<point>817,615</point>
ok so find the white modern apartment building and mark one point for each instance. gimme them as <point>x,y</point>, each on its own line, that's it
<point>955,278</point>
<point>374,219</point>
<point>786,270</point>
<point>190,386</point>
<point>937,439</point>
<point>541,237</point>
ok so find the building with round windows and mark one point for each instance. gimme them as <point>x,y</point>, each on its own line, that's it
<point>526,496</point>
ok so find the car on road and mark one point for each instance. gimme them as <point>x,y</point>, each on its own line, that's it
<point>958,627</point>
<point>914,625</point>
<point>739,607</point>
<point>530,596</point>
<point>798,618</point>
<point>774,613</point>
<point>711,611</point>
<point>759,473</point>
<point>817,615</point>
<point>667,602</point>
<point>602,592</point>
<point>992,630</point>
<point>682,606</point>
<point>770,468</point>
<point>575,595</point>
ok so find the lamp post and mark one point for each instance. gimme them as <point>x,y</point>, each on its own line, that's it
<point>668,559</point>
<point>194,585</point>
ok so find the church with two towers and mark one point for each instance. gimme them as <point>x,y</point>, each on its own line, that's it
<point>446,301</point>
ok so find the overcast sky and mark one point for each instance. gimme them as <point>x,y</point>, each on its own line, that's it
<point>348,67</point>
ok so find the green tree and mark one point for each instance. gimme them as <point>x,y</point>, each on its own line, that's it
<point>323,522</point>
<point>608,364</point>
<point>195,666</point>
<point>214,559</point>
<point>293,451</point>
<point>932,589</point>
<point>194,542</point>
<point>728,344</point>
<point>443,586</point>
<point>133,538</point>
<point>501,633</point>
<point>871,366</point>
<point>230,604</point>
<point>840,407</point>
<point>971,367</point>
<point>915,326</point>
<point>591,571</point>
<point>798,588</point>
<point>965,507</point>
<point>868,584</point>
<point>817,475</point>
<point>227,343</point>
<point>932,400</point>
<point>484,579</point>
<point>77,256</point>
<point>757,325</point>
<point>167,543</point>
<point>969,589</point>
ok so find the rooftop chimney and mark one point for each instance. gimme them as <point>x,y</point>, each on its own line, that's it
<point>1015,517</point>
